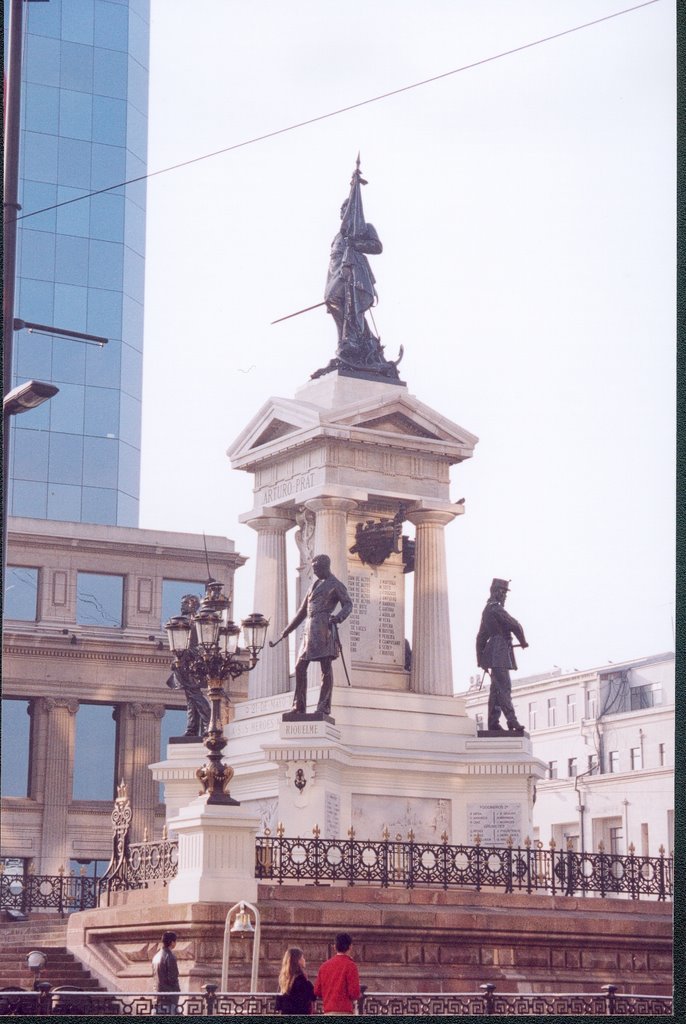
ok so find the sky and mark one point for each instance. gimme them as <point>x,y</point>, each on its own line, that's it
<point>526,209</point>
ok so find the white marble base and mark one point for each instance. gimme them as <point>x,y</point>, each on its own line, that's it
<point>216,854</point>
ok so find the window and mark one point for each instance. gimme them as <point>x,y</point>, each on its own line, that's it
<point>172,593</point>
<point>552,769</point>
<point>661,755</point>
<point>99,599</point>
<point>88,868</point>
<point>532,715</point>
<point>591,704</point>
<point>21,593</point>
<point>616,836</point>
<point>94,753</point>
<point>552,709</point>
<point>571,708</point>
<point>15,748</point>
<point>592,762</point>
<point>648,696</point>
<point>571,767</point>
<point>613,761</point>
<point>173,724</point>
<point>636,758</point>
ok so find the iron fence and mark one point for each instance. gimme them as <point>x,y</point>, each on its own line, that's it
<point>209,1003</point>
<point>62,893</point>
<point>529,868</point>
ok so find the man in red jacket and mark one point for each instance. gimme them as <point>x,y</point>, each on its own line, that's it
<point>338,980</point>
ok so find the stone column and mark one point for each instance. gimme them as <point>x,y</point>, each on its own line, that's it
<point>431,652</point>
<point>330,538</point>
<point>271,675</point>
<point>140,747</point>
<point>55,778</point>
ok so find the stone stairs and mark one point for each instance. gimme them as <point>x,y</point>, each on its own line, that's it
<point>48,934</point>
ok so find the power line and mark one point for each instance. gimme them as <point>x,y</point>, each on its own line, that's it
<point>341,110</point>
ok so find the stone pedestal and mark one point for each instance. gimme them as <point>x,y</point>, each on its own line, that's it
<point>216,854</point>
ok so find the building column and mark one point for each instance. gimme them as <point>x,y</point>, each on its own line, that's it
<point>331,538</point>
<point>140,747</point>
<point>271,674</point>
<point>55,778</point>
<point>431,651</point>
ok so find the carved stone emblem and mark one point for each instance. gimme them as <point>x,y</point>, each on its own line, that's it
<point>376,541</point>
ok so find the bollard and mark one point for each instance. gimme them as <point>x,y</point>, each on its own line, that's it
<point>490,998</point>
<point>210,991</point>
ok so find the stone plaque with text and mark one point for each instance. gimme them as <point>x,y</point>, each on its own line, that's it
<point>495,823</point>
<point>377,621</point>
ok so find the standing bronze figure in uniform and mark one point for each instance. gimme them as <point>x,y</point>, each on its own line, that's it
<point>494,653</point>
<point>319,642</point>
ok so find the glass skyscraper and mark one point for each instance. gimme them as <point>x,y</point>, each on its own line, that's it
<point>80,266</point>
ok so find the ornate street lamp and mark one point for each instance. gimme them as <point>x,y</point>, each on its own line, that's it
<point>205,647</point>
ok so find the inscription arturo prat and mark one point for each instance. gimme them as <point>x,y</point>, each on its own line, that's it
<point>288,488</point>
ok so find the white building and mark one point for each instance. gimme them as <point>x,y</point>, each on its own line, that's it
<point>607,736</point>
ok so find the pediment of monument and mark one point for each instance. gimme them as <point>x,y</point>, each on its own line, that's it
<point>403,415</point>
<point>396,416</point>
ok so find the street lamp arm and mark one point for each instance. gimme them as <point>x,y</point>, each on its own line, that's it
<point>28,325</point>
<point>28,395</point>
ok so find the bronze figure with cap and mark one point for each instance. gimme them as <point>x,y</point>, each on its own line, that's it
<point>495,654</point>
<point>319,641</point>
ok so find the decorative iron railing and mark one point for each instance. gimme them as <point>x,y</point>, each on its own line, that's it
<point>210,1003</point>
<point>62,892</point>
<point>529,868</point>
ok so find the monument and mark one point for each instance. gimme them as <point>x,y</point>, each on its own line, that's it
<point>351,464</point>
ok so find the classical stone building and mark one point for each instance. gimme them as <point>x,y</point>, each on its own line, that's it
<point>84,698</point>
<point>607,737</point>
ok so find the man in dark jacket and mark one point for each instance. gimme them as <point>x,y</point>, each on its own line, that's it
<point>494,652</point>
<point>319,642</point>
<point>166,974</point>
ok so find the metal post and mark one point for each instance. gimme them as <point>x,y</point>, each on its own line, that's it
<point>210,999</point>
<point>10,210</point>
<point>490,998</point>
<point>610,996</point>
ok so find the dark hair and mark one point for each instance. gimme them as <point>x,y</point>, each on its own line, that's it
<point>168,938</point>
<point>343,942</point>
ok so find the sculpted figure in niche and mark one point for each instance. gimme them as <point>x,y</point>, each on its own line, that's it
<point>319,641</point>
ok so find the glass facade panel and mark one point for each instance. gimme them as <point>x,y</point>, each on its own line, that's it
<point>129,468</point>
<point>64,502</point>
<point>66,457</point>
<point>99,505</point>
<point>110,73</point>
<point>71,312</point>
<point>43,107</point>
<point>172,593</point>
<point>94,753</point>
<point>84,127</point>
<point>76,114</point>
<point>102,412</point>
<point>74,217</point>
<point>31,452</point>
<point>38,255</point>
<point>77,21</point>
<point>15,753</point>
<point>66,409</point>
<point>107,217</point>
<point>29,499</point>
<point>21,593</point>
<point>71,260</point>
<point>42,60</point>
<point>100,461</point>
<point>40,157</point>
<point>99,599</point>
<point>35,299</point>
<point>76,68</point>
<point>33,358</point>
<point>74,163</point>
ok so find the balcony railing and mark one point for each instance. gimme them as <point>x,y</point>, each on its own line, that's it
<point>210,1003</point>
